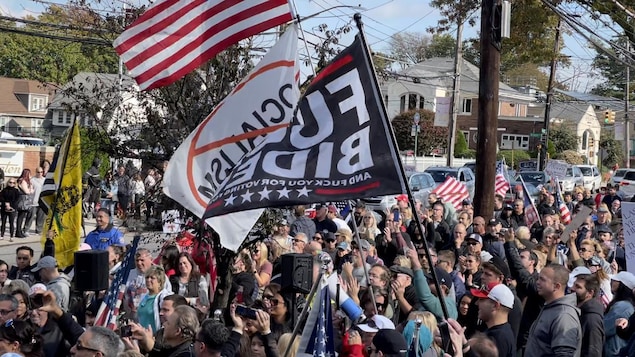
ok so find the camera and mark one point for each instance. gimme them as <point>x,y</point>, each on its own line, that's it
<point>37,301</point>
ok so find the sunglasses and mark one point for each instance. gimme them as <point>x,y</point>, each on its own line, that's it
<point>298,241</point>
<point>584,250</point>
<point>472,243</point>
<point>274,302</point>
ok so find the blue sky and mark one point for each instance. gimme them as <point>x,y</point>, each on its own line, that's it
<point>382,18</point>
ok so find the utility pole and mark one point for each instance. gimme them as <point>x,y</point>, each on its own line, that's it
<point>456,89</point>
<point>542,161</point>
<point>627,134</point>
<point>489,74</point>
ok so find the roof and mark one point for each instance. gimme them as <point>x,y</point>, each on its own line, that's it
<point>597,100</point>
<point>92,87</point>
<point>440,71</point>
<point>14,92</point>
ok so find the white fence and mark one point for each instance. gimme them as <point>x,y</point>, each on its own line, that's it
<point>423,162</point>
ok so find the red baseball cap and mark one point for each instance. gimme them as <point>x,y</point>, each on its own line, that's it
<point>402,197</point>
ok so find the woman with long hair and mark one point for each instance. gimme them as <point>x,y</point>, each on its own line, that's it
<point>622,285</point>
<point>22,312</point>
<point>188,281</point>
<point>170,260</point>
<point>263,269</point>
<point>26,189</point>
<point>368,229</point>
<point>21,338</point>
<point>279,308</point>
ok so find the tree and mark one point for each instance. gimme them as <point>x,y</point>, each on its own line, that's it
<point>611,69</point>
<point>572,157</point>
<point>613,153</point>
<point>414,47</point>
<point>563,139</point>
<point>460,145</point>
<point>430,137</point>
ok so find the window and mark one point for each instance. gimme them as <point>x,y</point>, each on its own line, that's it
<point>38,103</point>
<point>515,142</point>
<point>585,140</point>
<point>68,117</point>
<point>467,106</point>
<point>411,101</point>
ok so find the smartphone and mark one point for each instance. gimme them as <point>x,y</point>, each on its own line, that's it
<point>446,341</point>
<point>37,301</point>
<point>125,331</point>
<point>244,311</point>
<point>396,217</point>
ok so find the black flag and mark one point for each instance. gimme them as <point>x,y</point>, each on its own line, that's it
<point>338,146</point>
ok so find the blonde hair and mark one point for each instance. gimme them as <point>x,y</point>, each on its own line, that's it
<point>403,261</point>
<point>430,321</point>
<point>283,344</point>
<point>346,233</point>
<point>264,253</point>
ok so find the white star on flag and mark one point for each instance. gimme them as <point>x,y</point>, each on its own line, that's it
<point>230,200</point>
<point>246,196</point>
<point>303,192</point>
<point>283,193</point>
<point>264,194</point>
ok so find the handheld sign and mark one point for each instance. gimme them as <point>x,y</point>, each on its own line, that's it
<point>577,221</point>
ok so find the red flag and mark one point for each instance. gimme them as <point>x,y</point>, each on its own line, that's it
<point>173,37</point>
<point>452,191</point>
<point>565,214</point>
<point>501,185</point>
<point>531,213</point>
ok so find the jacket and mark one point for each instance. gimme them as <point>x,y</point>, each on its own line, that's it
<point>102,239</point>
<point>591,319</point>
<point>429,301</point>
<point>557,331</point>
<point>61,287</point>
<point>304,225</point>
<point>53,342</point>
<point>185,349</point>
<point>614,343</point>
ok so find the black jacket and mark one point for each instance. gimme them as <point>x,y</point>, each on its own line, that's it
<point>248,282</point>
<point>185,349</point>
<point>54,343</point>
<point>592,321</point>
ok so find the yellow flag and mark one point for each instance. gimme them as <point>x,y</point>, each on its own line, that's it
<point>65,216</point>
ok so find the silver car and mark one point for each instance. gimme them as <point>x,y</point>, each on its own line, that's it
<point>462,174</point>
<point>421,185</point>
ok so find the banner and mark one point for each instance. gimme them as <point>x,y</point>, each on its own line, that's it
<point>338,146</point>
<point>628,220</point>
<point>261,103</point>
<point>442,111</point>
<point>65,215</point>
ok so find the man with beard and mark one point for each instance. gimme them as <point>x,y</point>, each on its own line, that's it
<point>586,288</point>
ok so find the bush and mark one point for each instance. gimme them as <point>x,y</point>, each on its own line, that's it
<point>571,157</point>
<point>517,155</point>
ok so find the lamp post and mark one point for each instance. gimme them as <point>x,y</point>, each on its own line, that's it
<point>416,129</point>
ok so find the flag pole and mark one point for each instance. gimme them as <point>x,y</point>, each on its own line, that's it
<point>360,26</point>
<point>305,310</point>
<point>61,176</point>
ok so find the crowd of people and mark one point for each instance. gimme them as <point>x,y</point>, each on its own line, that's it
<point>456,285</point>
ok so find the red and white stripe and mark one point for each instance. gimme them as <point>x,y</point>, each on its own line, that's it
<point>174,37</point>
<point>104,316</point>
<point>565,214</point>
<point>452,191</point>
<point>501,186</point>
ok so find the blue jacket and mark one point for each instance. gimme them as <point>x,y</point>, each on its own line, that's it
<point>102,239</point>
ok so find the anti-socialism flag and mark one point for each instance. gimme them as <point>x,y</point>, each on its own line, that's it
<point>501,186</point>
<point>565,215</point>
<point>338,146</point>
<point>261,103</point>
<point>452,191</point>
<point>109,308</point>
<point>65,200</point>
<point>319,339</point>
<point>173,37</point>
<point>531,213</point>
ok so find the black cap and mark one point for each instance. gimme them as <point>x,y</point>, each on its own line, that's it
<point>500,264</point>
<point>603,228</point>
<point>444,277</point>
<point>509,207</point>
<point>328,236</point>
<point>493,222</point>
<point>390,342</point>
<point>402,270</point>
<point>467,201</point>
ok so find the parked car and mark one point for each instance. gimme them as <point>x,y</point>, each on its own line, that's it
<point>421,184</point>
<point>535,178</point>
<point>462,174</point>
<point>627,184</point>
<point>592,176</point>
<point>617,177</point>
<point>508,173</point>
<point>572,179</point>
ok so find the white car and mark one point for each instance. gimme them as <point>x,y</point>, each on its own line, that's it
<point>627,184</point>
<point>617,176</point>
<point>592,176</point>
<point>572,179</point>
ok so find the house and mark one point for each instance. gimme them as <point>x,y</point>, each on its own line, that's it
<point>108,101</point>
<point>419,87</point>
<point>582,119</point>
<point>23,106</point>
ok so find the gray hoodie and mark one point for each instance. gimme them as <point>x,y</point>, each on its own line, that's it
<point>557,330</point>
<point>61,287</point>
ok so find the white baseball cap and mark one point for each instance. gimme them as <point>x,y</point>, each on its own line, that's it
<point>376,323</point>
<point>626,278</point>
<point>574,275</point>
<point>497,292</point>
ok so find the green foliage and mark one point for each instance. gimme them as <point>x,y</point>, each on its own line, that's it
<point>563,139</point>
<point>611,69</point>
<point>460,145</point>
<point>512,157</point>
<point>95,144</point>
<point>430,137</point>
<point>414,47</point>
<point>613,153</point>
<point>570,156</point>
<point>551,148</point>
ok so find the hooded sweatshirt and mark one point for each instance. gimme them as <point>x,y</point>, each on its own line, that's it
<point>557,331</point>
<point>61,287</point>
<point>592,321</point>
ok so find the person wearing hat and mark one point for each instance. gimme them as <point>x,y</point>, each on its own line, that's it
<point>494,304</point>
<point>557,330</point>
<point>322,221</point>
<point>427,291</point>
<point>405,297</point>
<point>604,235</point>
<point>329,244</point>
<point>334,215</point>
<point>622,285</point>
<point>492,238</point>
<point>587,288</point>
<point>55,281</point>
<point>505,218</point>
<point>388,343</point>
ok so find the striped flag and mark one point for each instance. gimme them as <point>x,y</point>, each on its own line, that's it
<point>531,213</point>
<point>565,215</point>
<point>52,179</point>
<point>109,309</point>
<point>174,37</point>
<point>452,191</point>
<point>501,185</point>
<point>322,341</point>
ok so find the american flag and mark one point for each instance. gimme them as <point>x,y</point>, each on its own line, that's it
<point>174,37</point>
<point>531,213</point>
<point>501,185</point>
<point>452,191</point>
<point>109,309</point>
<point>321,343</point>
<point>565,215</point>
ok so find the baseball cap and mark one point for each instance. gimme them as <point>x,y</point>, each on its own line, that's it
<point>603,228</point>
<point>603,209</point>
<point>376,323</point>
<point>401,270</point>
<point>476,237</point>
<point>320,205</point>
<point>390,342</point>
<point>574,275</point>
<point>467,201</point>
<point>493,222</point>
<point>343,246</point>
<point>402,197</point>
<point>443,276</point>
<point>332,209</point>
<point>364,244</point>
<point>509,207</point>
<point>626,278</point>
<point>329,236</point>
<point>501,266</point>
<point>497,292</point>
<point>45,262</point>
